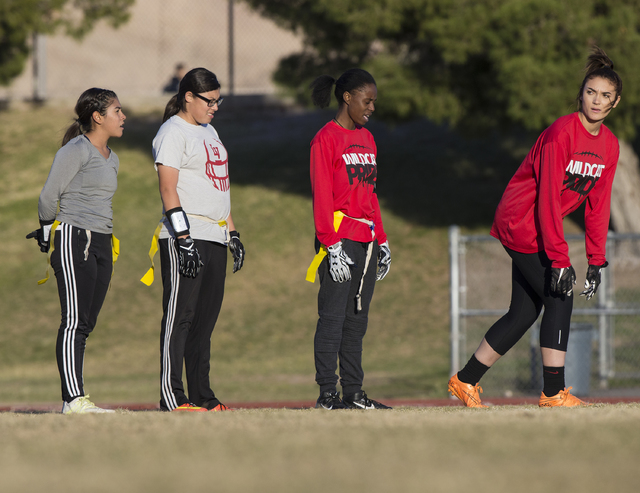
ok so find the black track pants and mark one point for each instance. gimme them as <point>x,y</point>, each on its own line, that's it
<point>82,262</point>
<point>529,293</point>
<point>341,328</point>
<point>191,308</point>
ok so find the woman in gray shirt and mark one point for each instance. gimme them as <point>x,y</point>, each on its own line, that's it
<point>75,210</point>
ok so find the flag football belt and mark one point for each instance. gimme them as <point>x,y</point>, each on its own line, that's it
<point>338,216</point>
<point>115,249</point>
<point>149,276</point>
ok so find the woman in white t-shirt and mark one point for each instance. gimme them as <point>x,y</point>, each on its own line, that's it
<point>193,171</point>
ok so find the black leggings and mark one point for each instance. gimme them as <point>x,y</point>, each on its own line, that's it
<point>529,293</point>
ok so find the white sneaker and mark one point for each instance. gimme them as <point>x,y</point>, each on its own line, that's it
<point>82,405</point>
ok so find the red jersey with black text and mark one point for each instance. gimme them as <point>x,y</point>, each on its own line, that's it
<point>343,178</point>
<point>566,166</point>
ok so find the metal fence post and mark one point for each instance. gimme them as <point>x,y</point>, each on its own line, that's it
<point>454,272</point>
<point>231,59</point>
<point>39,67</point>
<point>605,331</point>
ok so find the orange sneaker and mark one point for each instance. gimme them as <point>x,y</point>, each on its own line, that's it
<point>561,399</point>
<point>220,407</point>
<point>189,408</point>
<point>467,393</point>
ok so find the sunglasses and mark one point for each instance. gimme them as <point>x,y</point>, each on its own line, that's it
<point>210,102</point>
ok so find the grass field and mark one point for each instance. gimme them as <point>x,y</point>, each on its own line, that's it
<point>501,449</point>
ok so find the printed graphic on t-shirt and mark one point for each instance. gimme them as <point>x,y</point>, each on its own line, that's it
<point>582,176</point>
<point>361,165</point>
<point>217,165</point>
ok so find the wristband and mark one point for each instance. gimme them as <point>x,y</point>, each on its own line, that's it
<point>178,220</point>
<point>46,228</point>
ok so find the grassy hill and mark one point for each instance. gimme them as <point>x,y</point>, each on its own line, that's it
<point>262,347</point>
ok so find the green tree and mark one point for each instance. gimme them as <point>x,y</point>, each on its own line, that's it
<point>473,64</point>
<point>20,19</point>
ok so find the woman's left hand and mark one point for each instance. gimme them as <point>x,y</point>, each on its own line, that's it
<point>237,250</point>
<point>384,261</point>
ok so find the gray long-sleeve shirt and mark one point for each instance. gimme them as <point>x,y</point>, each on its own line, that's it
<point>84,183</point>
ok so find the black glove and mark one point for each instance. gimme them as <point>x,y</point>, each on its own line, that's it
<point>42,235</point>
<point>237,250</point>
<point>189,257</point>
<point>593,280</point>
<point>562,280</point>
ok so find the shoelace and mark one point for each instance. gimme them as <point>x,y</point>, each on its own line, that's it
<point>334,398</point>
<point>478,390</point>
<point>567,396</point>
<point>367,402</point>
<point>85,403</point>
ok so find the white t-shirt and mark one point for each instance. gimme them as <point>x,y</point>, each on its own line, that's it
<point>203,183</point>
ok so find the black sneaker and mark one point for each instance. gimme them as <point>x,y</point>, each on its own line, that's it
<point>330,400</point>
<point>359,400</point>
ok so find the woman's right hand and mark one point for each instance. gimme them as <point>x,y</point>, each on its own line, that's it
<point>190,262</point>
<point>562,280</point>
<point>339,263</point>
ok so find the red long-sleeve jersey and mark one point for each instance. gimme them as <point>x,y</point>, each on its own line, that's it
<point>343,178</point>
<point>565,166</point>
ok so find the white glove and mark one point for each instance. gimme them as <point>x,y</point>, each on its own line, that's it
<point>384,261</point>
<point>339,263</point>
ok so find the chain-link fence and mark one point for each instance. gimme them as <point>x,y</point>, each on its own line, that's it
<point>139,59</point>
<point>604,344</point>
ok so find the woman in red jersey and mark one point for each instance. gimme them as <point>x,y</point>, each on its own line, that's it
<point>572,161</point>
<point>350,237</point>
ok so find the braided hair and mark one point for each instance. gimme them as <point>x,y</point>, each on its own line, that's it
<point>94,99</point>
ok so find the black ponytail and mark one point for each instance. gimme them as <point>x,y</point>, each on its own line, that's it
<point>350,81</point>
<point>321,90</point>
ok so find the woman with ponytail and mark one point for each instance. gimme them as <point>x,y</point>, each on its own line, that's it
<point>195,231</point>
<point>572,161</point>
<point>350,239</point>
<point>75,204</point>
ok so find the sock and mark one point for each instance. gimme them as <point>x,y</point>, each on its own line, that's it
<point>472,372</point>
<point>553,377</point>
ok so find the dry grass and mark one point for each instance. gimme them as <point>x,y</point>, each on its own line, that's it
<point>501,449</point>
